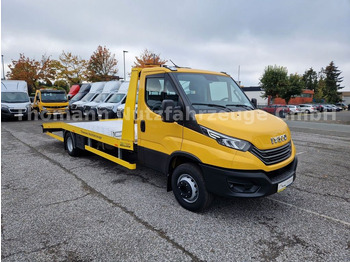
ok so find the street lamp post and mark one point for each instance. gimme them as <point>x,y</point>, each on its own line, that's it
<point>124,63</point>
<point>3,68</point>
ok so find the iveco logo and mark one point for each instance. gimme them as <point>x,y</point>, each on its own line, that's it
<point>278,139</point>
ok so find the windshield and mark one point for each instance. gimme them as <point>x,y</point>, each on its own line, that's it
<point>53,97</point>
<point>77,97</point>
<point>116,98</point>
<point>214,91</point>
<point>14,97</point>
<point>88,97</point>
<point>100,98</point>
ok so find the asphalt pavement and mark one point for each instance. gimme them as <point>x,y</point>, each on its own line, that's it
<point>60,208</point>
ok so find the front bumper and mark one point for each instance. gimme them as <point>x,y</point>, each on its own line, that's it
<point>55,112</point>
<point>246,183</point>
<point>14,113</point>
<point>106,113</point>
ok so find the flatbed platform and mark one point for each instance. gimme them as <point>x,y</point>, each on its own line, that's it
<point>111,128</point>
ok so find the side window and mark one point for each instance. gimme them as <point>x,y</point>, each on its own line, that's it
<point>159,89</point>
<point>154,87</point>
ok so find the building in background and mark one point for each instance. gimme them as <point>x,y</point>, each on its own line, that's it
<point>257,93</point>
<point>306,97</point>
<point>345,96</point>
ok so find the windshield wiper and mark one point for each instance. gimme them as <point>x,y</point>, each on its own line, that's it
<point>241,105</point>
<point>213,105</point>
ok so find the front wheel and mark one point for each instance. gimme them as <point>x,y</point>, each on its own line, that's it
<point>189,187</point>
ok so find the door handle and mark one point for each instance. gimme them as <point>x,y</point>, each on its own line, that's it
<point>143,126</point>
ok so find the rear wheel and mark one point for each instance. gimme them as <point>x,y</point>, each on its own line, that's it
<point>189,187</point>
<point>70,145</point>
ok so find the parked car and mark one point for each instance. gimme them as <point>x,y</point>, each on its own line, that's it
<point>337,108</point>
<point>342,105</point>
<point>328,108</point>
<point>308,109</point>
<point>277,110</point>
<point>320,107</point>
<point>294,109</point>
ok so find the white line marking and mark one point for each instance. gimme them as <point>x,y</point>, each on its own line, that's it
<point>300,153</point>
<point>311,212</point>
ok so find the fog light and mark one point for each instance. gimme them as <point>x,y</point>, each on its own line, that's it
<point>243,187</point>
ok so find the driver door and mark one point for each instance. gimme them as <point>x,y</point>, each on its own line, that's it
<point>157,139</point>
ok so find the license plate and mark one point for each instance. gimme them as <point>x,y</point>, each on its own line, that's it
<point>282,186</point>
<point>18,114</point>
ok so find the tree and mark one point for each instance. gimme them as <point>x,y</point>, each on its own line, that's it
<point>294,87</point>
<point>273,80</point>
<point>332,83</point>
<point>102,65</point>
<point>31,71</point>
<point>310,79</point>
<point>71,68</point>
<point>148,58</point>
<point>61,84</point>
<point>321,85</point>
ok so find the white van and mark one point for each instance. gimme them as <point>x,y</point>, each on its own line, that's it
<point>95,90</point>
<point>108,109</point>
<point>89,109</point>
<point>15,102</point>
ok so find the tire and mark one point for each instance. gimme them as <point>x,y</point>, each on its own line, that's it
<point>70,145</point>
<point>189,188</point>
<point>307,112</point>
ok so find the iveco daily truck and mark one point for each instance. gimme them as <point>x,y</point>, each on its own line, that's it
<point>15,101</point>
<point>50,102</point>
<point>199,129</point>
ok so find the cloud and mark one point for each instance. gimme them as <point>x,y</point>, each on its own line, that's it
<point>213,35</point>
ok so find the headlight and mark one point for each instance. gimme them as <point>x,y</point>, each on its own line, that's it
<point>224,140</point>
<point>4,107</point>
<point>44,108</point>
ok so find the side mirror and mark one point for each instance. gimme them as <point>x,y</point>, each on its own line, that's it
<point>254,102</point>
<point>168,111</point>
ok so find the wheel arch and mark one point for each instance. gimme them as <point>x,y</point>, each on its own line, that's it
<point>175,159</point>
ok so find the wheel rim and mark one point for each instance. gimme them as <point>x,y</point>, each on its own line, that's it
<point>188,188</point>
<point>69,144</point>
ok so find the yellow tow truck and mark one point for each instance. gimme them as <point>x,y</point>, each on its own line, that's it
<point>199,129</point>
<point>50,102</point>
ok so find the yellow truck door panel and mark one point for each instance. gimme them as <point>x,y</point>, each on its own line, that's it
<point>157,139</point>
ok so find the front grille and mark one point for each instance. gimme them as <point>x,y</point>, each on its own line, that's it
<point>17,111</point>
<point>273,156</point>
<point>55,106</point>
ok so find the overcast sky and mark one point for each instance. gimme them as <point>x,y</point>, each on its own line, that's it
<point>213,35</point>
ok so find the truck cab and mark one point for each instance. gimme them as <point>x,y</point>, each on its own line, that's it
<point>15,101</point>
<point>50,102</point>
